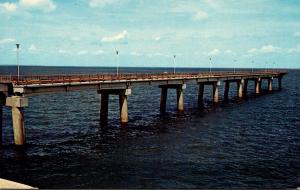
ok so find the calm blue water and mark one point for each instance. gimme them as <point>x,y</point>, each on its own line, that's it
<point>251,143</point>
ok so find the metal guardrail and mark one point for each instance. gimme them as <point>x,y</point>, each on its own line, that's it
<point>69,78</point>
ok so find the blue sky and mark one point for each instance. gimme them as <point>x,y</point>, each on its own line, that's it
<point>259,33</point>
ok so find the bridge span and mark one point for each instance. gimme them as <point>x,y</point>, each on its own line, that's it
<point>14,90</point>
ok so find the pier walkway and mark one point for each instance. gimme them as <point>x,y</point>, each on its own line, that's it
<point>14,90</point>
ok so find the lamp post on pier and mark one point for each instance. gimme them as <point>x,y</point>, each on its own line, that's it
<point>234,62</point>
<point>252,65</point>
<point>210,65</point>
<point>174,63</point>
<point>117,53</point>
<point>18,64</point>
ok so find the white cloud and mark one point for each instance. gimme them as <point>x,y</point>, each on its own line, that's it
<point>191,9</point>
<point>200,15</point>
<point>297,34</point>
<point>75,38</point>
<point>214,52</point>
<point>43,5</point>
<point>62,51</point>
<point>134,53</point>
<point>10,7</point>
<point>98,52</point>
<point>7,40</point>
<point>253,50</point>
<point>82,52</point>
<point>32,49</point>
<point>295,49</point>
<point>265,49</point>
<point>157,38</point>
<point>213,4</point>
<point>269,49</point>
<point>228,51</point>
<point>117,37</point>
<point>102,3</point>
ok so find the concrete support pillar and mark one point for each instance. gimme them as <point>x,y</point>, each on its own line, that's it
<point>270,81</point>
<point>279,83</point>
<point>258,86</point>
<point>104,108</point>
<point>2,103</point>
<point>241,88</point>
<point>164,93</point>
<point>18,103</point>
<point>216,91</point>
<point>1,123</point>
<point>18,125</point>
<point>124,105</point>
<point>163,99</point>
<point>200,94</point>
<point>180,103</point>
<point>245,88</point>
<point>226,90</point>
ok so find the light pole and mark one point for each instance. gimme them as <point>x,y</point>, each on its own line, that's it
<point>252,65</point>
<point>18,65</point>
<point>266,67</point>
<point>210,65</point>
<point>234,65</point>
<point>174,57</point>
<point>117,53</point>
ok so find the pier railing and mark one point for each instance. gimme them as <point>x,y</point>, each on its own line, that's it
<point>70,78</point>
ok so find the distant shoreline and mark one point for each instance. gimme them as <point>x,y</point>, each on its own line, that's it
<point>150,67</point>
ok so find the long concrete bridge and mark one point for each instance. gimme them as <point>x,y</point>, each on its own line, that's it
<point>14,90</point>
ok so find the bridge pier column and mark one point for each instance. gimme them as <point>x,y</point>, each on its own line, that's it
<point>180,103</point>
<point>216,91</point>
<point>279,82</point>
<point>258,86</point>
<point>200,94</point>
<point>163,99</point>
<point>104,107</point>
<point>226,90</point>
<point>124,105</point>
<point>17,103</point>
<point>1,123</point>
<point>2,103</point>
<point>240,85</point>
<point>245,90</point>
<point>270,81</point>
<point>164,93</point>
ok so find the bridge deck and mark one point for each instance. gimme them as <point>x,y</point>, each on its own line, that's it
<point>29,84</point>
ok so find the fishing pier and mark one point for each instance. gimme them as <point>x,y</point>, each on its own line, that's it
<point>14,90</point>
